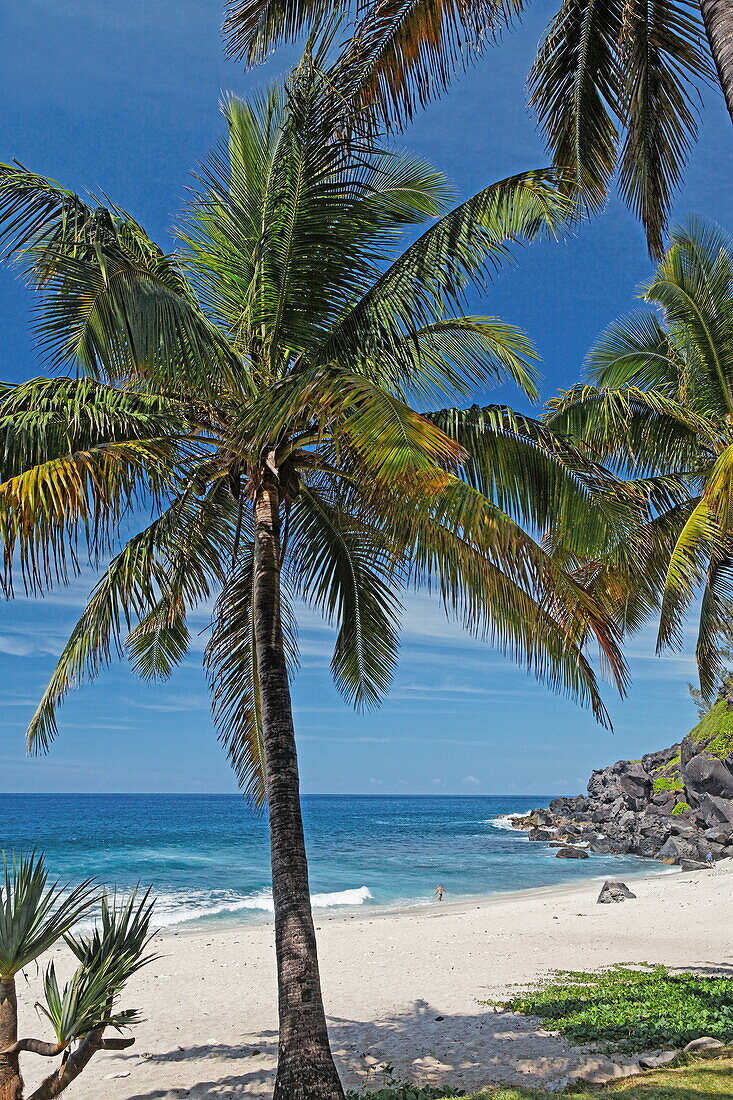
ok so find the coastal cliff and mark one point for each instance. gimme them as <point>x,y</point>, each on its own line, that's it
<point>673,805</point>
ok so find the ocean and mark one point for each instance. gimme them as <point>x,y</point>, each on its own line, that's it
<point>206,856</point>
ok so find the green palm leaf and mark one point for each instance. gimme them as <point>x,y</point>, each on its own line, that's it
<point>231,665</point>
<point>343,568</point>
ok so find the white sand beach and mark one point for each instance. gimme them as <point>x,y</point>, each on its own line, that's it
<point>210,1002</point>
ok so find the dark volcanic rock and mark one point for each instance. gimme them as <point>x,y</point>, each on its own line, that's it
<point>693,865</point>
<point>623,813</point>
<point>614,891</point>
<point>712,811</point>
<point>707,775</point>
<point>571,853</point>
<point>611,845</point>
<point>563,806</point>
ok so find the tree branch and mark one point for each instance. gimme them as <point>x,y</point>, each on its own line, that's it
<point>55,1083</point>
<point>35,1046</point>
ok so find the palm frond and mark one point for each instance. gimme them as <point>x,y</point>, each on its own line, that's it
<point>613,85</point>
<point>636,351</point>
<point>231,665</point>
<point>539,477</point>
<point>45,509</point>
<point>575,88</point>
<point>643,432</point>
<point>171,563</point>
<point>663,58</point>
<point>345,569</point>
<point>694,286</point>
<point>405,52</point>
<point>465,246</point>
<point>111,302</point>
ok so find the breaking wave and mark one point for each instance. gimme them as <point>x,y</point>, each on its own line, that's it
<point>189,906</point>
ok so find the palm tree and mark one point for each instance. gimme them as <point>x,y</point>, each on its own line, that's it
<point>36,914</point>
<point>661,411</point>
<point>718,19</point>
<point>614,84</point>
<point>256,391</point>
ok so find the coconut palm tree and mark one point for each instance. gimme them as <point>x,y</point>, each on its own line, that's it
<point>259,392</point>
<point>660,410</point>
<point>718,19</point>
<point>36,914</point>
<point>614,84</point>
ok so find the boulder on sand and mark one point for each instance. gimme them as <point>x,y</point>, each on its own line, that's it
<point>614,891</point>
<point>693,865</point>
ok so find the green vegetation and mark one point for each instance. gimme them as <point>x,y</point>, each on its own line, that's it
<point>613,85</point>
<point>632,1009</point>
<point>668,783</point>
<point>715,731</point>
<point>657,409</point>
<point>36,914</point>
<point>680,808</point>
<point>671,766</point>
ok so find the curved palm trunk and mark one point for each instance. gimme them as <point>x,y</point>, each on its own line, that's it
<point>11,1083</point>
<point>305,1067</point>
<point>718,19</point>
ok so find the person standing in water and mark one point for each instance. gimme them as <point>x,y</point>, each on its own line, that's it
<point>439,891</point>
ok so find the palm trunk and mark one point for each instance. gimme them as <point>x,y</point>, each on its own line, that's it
<point>305,1068</point>
<point>718,19</point>
<point>11,1083</point>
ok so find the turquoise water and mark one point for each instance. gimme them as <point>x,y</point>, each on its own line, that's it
<point>206,856</point>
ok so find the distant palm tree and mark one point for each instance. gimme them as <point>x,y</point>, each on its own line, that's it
<point>661,411</point>
<point>256,390</point>
<point>614,83</point>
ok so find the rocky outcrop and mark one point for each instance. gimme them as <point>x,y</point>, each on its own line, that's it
<point>673,805</point>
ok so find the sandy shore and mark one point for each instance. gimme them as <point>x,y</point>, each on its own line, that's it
<point>210,1004</point>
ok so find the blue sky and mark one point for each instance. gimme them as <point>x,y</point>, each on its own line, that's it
<point>122,99</point>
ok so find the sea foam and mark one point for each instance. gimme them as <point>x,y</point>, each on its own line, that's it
<point>189,906</point>
<point>504,821</point>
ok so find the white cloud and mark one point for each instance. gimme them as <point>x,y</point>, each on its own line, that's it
<point>470,780</point>
<point>29,644</point>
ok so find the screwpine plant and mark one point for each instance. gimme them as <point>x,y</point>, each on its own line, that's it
<point>36,914</point>
<point>263,392</point>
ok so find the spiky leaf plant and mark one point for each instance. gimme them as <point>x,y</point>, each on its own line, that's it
<point>33,917</point>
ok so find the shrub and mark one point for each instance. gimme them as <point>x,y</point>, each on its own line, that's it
<point>632,1009</point>
<point>680,808</point>
<point>668,783</point>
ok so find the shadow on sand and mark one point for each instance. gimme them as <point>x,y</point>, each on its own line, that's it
<point>466,1051</point>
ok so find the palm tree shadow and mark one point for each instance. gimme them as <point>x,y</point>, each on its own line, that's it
<point>422,1044</point>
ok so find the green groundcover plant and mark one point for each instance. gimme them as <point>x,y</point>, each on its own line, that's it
<point>632,1008</point>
